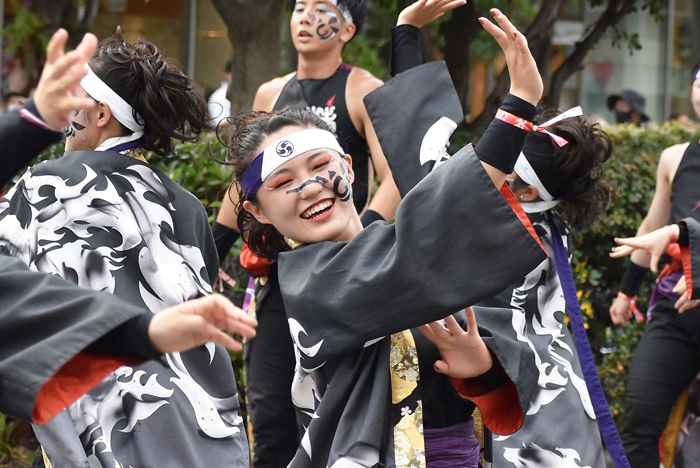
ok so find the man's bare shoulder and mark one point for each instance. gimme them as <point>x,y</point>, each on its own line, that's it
<point>361,82</point>
<point>268,92</point>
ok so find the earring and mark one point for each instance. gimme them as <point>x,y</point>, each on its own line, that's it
<point>522,196</point>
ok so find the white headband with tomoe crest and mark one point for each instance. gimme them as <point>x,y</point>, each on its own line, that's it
<point>121,110</point>
<point>283,150</point>
<point>343,11</point>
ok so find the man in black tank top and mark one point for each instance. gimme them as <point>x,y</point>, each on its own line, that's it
<point>668,355</point>
<point>327,86</point>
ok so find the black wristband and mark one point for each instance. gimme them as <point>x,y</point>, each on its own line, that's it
<point>129,339</point>
<point>683,234</point>
<point>502,142</point>
<point>224,238</point>
<point>369,217</point>
<point>633,279</point>
<point>405,49</point>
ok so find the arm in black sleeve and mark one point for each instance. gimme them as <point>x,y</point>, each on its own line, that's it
<point>129,339</point>
<point>633,279</point>
<point>224,238</point>
<point>22,140</point>
<point>502,142</point>
<point>369,217</point>
<point>45,321</point>
<point>405,49</point>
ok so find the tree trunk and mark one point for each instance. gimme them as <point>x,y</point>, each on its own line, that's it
<point>539,35</point>
<point>254,30</point>
<point>459,32</point>
<point>613,14</point>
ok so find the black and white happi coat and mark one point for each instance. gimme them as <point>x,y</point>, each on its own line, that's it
<point>112,223</point>
<point>445,251</point>
<point>560,427</point>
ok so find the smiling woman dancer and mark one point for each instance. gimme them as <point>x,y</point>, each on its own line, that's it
<point>353,294</point>
<point>103,218</point>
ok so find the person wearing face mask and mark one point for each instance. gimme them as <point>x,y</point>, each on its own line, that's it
<point>628,107</point>
<point>665,360</point>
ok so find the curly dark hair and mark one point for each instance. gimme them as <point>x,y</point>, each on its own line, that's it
<point>692,72</point>
<point>574,172</point>
<point>247,131</point>
<point>157,88</point>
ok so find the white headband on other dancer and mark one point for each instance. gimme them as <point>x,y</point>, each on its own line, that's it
<point>343,11</point>
<point>121,110</point>
<point>283,150</point>
<point>528,175</point>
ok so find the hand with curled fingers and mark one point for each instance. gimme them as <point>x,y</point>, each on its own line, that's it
<point>423,12</point>
<point>464,354</point>
<point>655,242</point>
<point>525,79</point>
<point>620,311</point>
<point>55,96</point>
<point>199,321</point>
<point>684,303</point>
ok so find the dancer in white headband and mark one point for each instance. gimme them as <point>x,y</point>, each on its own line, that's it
<point>558,180</point>
<point>104,218</point>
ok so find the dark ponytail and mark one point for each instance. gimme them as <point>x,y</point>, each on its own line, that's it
<point>247,131</point>
<point>157,88</point>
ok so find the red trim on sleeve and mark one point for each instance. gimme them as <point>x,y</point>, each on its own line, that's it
<point>77,376</point>
<point>522,216</point>
<point>687,269</point>
<point>499,407</point>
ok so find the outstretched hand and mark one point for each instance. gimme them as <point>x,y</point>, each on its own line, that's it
<point>655,242</point>
<point>464,354</point>
<point>525,79</point>
<point>199,321</point>
<point>423,12</point>
<point>55,96</point>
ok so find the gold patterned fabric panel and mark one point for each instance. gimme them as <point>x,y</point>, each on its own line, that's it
<point>407,407</point>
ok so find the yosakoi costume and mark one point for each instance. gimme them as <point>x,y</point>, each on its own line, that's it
<point>48,326</point>
<point>359,384</point>
<point>110,222</point>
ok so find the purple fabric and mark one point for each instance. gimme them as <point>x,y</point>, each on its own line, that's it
<point>251,180</point>
<point>664,287</point>
<point>585,356</point>
<point>452,447</point>
<point>127,146</point>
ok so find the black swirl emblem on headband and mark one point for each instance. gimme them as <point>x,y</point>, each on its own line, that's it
<point>284,148</point>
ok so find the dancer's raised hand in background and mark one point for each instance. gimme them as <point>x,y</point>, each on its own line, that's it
<point>423,12</point>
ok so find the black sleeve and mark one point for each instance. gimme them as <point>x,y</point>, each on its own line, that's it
<point>369,217</point>
<point>502,142</point>
<point>633,279</point>
<point>129,339</point>
<point>44,322</point>
<point>21,141</point>
<point>405,49</point>
<point>224,238</point>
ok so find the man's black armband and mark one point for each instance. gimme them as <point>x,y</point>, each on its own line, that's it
<point>369,217</point>
<point>633,279</point>
<point>224,238</point>
<point>502,142</point>
<point>405,49</point>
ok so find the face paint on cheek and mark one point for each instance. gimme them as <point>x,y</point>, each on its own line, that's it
<point>327,30</point>
<point>341,184</point>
